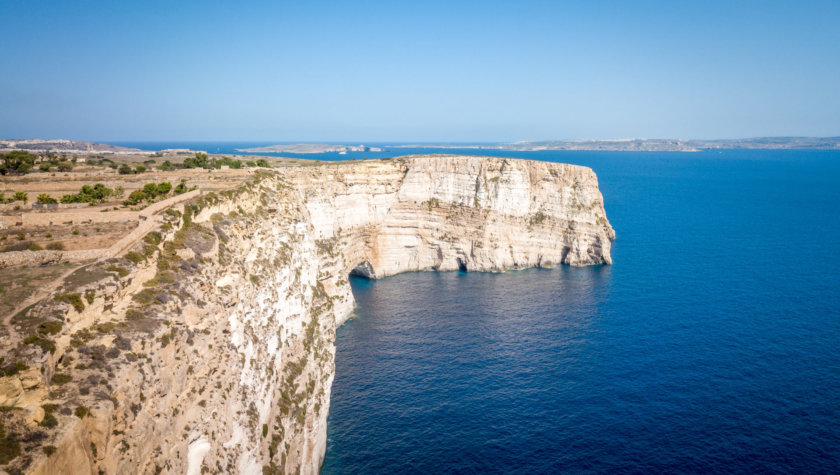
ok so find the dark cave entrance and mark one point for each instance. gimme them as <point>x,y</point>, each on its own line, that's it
<point>364,269</point>
<point>462,265</point>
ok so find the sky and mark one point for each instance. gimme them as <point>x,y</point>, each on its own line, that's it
<point>429,71</point>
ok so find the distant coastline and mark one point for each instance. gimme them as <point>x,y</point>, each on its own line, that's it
<point>310,148</point>
<point>614,145</point>
<point>653,145</point>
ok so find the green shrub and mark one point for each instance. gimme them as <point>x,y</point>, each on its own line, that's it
<point>35,247</point>
<point>106,327</point>
<point>135,197</point>
<point>121,271</point>
<point>44,198</point>
<point>45,343</point>
<point>49,449</point>
<point>82,412</point>
<point>49,328</point>
<point>55,246</point>
<point>153,237</point>
<point>97,193</point>
<point>9,446</point>
<point>60,379</point>
<point>135,257</point>
<point>73,299</point>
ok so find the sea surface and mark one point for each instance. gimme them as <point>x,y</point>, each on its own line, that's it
<point>712,344</point>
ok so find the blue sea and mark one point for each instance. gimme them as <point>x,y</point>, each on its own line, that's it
<point>712,344</point>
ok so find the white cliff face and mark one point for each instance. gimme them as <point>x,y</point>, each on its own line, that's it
<point>475,212</point>
<point>233,340</point>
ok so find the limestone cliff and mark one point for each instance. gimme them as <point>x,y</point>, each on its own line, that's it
<point>211,345</point>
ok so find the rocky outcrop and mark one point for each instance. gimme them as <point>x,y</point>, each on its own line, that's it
<point>213,348</point>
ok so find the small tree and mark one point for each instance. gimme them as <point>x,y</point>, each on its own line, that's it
<point>135,197</point>
<point>125,170</point>
<point>17,161</point>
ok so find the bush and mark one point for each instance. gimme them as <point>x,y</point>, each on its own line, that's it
<point>50,449</point>
<point>49,419</point>
<point>135,257</point>
<point>60,379</point>
<point>82,412</point>
<point>45,343</point>
<point>20,196</point>
<point>153,237</point>
<point>125,170</point>
<point>46,199</point>
<point>150,189</point>
<point>97,193</point>
<point>55,246</point>
<point>73,299</point>
<point>135,197</point>
<point>35,247</point>
<point>9,446</point>
<point>140,168</point>
<point>49,328</point>
<point>262,163</point>
<point>121,271</point>
<point>199,161</point>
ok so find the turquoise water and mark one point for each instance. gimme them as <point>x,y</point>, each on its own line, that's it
<point>712,343</point>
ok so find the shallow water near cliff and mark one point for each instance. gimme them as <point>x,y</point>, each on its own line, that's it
<point>711,344</point>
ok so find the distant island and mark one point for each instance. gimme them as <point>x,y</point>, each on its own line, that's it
<point>62,146</point>
<point>310,148</point>
<point>654,145</point>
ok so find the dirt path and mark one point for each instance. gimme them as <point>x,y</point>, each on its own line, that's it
<point>150,219</point>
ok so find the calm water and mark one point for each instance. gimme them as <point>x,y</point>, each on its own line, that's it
<point>712,343</point>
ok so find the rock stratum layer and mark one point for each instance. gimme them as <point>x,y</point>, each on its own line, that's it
<point>211,345</point>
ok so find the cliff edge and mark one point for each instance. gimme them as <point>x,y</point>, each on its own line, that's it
<point>210,346</point>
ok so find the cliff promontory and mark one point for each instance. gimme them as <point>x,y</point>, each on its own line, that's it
<point>210,345</point>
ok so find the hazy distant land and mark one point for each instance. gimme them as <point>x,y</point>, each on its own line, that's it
<point>654,145</point>
<point>62,146</point>
<point>641,145</point>
<point>309,148</point>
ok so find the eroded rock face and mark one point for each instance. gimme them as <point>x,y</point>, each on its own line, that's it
<point>222,353</point>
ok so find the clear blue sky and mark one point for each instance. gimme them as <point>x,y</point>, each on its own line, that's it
<point>418,71</point>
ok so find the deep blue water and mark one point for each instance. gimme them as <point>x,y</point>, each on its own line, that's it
<point>711,345</point>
